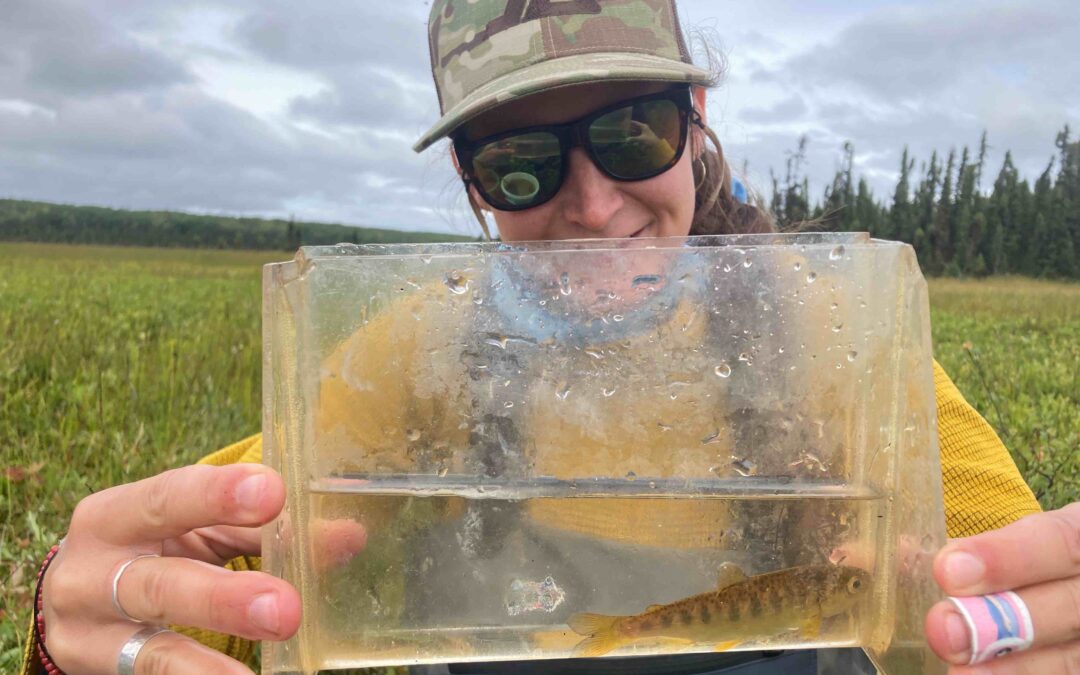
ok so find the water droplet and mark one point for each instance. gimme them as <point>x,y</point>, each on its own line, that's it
<point>443,470</point>
<point>834,306</point>
<point>499,341</point>
<point>851,356</point>
<point>837,253</point>
<point>595,353</point>
<point>477,298</point>
<point>746,358</point>
<point>563,392</point>
<point>652,484</point>
<point>412,434</point>
<point>723,370</point>
<point>508,404</point>
<point>743,466</point>
<point>748,263</point>
<point>711,438</point>
<point>426,259</point>
<point>456,282</point>
<point>617,318</point>
<point>811,278</point>
<point>837,328</point>
<point>798,266</point>
<point>608,393</point>
<point>664,427</point>
<point>727,268</point>
<point>631,476</point>
<point>780,350</point>
<point>564,284</point>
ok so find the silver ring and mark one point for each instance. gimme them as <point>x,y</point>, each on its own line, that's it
<point>125,665</point>
<point>116,587</point>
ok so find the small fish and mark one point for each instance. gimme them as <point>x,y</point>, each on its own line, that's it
<point>740,609</point>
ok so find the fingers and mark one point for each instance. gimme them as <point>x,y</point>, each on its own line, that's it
<point>216,545</point>
<point>98,653</point>
<point>1055,618</point>
<point>174,654</point>
<point>336,542</point>
<point>1064,659</point>
<point>1038,548</point>
<point>175,502</point>
<point>164,591</point>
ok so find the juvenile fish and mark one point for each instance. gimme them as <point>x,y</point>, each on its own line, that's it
<point>740,609</point>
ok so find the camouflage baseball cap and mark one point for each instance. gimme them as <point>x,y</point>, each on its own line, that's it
<point>487,52</point>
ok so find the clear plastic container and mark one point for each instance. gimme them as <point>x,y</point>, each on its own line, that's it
<point>718,442</point>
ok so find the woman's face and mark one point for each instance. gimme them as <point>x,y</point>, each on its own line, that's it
<point>590,204</point>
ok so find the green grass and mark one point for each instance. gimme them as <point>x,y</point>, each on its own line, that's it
<point>116,363</point>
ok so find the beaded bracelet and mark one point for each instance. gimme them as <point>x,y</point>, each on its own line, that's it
<point>39,618</point>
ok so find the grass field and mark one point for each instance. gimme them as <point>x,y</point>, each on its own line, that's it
<point>118,363</point>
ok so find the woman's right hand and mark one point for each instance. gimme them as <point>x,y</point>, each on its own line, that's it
<point>197,518</point>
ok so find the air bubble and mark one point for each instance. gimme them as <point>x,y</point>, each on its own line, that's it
<point>798,266</point>
<point>563,393</point>
<point>723,370</point>
<point>631,476</point>
<point>811,278</point>
<point>837,253</point>
<point>412,434</point>
<point>564,284</point>
<point>851,356</point>
<point>837,328</point>
<point>456,282</point>
<point>608,393</point>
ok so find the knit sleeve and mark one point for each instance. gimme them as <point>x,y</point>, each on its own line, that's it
<point>983,488</point>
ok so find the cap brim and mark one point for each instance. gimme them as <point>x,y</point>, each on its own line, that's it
<point>561,72</point>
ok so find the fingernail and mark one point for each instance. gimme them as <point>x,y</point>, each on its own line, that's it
<point>263,612</point>
<point>963,569</point>
<point>956,634</point>
<point>249,492</point>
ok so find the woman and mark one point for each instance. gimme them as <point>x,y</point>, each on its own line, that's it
<point>501,66</point>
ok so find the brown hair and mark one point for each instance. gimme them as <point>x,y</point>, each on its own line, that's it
<point>716,211</point>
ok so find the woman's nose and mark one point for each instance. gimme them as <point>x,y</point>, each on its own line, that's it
<point>590,198</point>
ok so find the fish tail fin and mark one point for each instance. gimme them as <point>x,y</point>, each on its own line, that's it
<point>599,629</point>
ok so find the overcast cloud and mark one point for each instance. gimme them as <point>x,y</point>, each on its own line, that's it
<point>277,108</point>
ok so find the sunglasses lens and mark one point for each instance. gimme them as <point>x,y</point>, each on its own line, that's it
<point>639,140</point>
<point>519,171</point>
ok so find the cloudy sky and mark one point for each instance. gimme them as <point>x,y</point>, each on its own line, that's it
<point>278,107</point>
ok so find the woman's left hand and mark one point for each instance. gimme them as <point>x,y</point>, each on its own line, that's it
<point>1037,557</point>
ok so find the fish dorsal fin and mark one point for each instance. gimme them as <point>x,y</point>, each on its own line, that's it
<point>653,608</point>
<point>729,575</point>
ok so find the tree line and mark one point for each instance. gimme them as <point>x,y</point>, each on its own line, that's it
<point>959,223</point>
<point>60,223</point>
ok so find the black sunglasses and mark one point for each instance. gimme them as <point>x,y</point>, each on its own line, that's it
<point>631,140</point>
